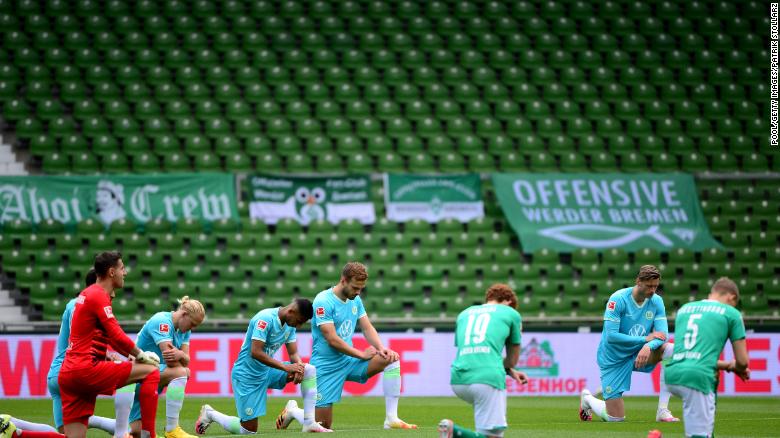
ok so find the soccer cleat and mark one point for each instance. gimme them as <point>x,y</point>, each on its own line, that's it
<point>178,433</point>
<point>315,427</point>
<point>445,428</point>
<point>399,424</point>
<point>204,421</point>
<point>655,433</point>
<point>285,417</point>
<point>585,413</point>
<point>7,428</point>
<point>665,416</point>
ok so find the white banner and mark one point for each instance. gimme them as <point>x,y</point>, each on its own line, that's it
<point>433,198</point>
<point>558,364</point>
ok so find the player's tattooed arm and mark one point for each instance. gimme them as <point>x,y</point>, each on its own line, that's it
<point>292,352</point>
<point>259,354</point>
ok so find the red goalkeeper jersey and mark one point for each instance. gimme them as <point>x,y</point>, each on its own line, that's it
<point>92,328</point>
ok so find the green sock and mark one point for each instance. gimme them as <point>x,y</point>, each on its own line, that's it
<point>460,432</point>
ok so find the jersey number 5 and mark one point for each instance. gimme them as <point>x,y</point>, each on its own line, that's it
<point>478,325</point>
<point>692,332</point>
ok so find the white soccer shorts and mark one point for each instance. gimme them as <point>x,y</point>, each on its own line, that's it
<point>698,410</point>
<point>489,406</point>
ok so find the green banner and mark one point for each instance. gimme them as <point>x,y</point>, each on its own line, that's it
<point>565,212</point>
<point>139,198</point>
<point>433,198</point>
<point>308,199</point>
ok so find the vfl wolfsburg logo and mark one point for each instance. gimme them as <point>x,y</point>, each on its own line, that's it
<point>623,236</point>
<point>345,329</point>
<point>637,330</point>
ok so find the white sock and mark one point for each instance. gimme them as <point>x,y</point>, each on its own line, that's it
<point>309,393</point>
<point>391,384</point>
<point>599,407</point>
<point>174,399</point>
<point>123,402</point>
<point>229,423</point>
<point>33,427</point>
<point>102,423</point>
<point>664,394</point>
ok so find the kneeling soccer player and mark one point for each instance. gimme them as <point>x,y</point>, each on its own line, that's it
<point>256,370</point>
<point>85,373</point>
<point>703,328</point>
<point>338,311</point>
<point>631,313</point>
<point>478,375</point>
<point>168,335</point>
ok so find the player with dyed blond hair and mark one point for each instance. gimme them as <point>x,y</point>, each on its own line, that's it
<point>337,311</point>
<point>168,335</point>
<point>701,330</point>
<point>478,375</point>
<point>633,339</point>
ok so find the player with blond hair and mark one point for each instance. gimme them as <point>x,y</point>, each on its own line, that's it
<point>168,335</point>
<point>478,375</point>
<point>633,339</point>
<point>337,312</point>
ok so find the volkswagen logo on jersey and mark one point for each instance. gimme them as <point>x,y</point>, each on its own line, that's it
<point>637,330</point>
<point>345,329</point>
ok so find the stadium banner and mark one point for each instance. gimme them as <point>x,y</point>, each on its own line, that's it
<point>106,198</point>
<point>566,212</point>
<point>307,199</point>
<point>433,197</point>
<point>556,363</point>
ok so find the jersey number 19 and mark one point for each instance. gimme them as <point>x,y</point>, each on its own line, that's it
<point>478,325</point>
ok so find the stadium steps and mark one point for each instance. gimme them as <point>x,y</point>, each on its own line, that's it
<point>9,311</point>
<point>9,165</point>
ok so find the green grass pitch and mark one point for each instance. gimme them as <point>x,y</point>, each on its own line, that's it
<point>528,416</point>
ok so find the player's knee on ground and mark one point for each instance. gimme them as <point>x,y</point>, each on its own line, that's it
<point>249,427</point>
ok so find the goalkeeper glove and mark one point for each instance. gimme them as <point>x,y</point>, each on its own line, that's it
<point>148,357</point>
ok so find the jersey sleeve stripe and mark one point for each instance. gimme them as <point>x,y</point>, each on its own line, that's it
<point>611,319</point>
<point>325,322</point>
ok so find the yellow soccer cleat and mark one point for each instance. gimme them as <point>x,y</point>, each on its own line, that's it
<point>399,424</point>
<point>7,428</point>
<point>178,433</point>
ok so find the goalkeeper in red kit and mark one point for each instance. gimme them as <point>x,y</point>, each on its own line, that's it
<point>85,373</point>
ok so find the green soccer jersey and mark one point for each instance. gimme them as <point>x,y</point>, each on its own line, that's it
<point>701,331</point>
<point>481,334</point>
